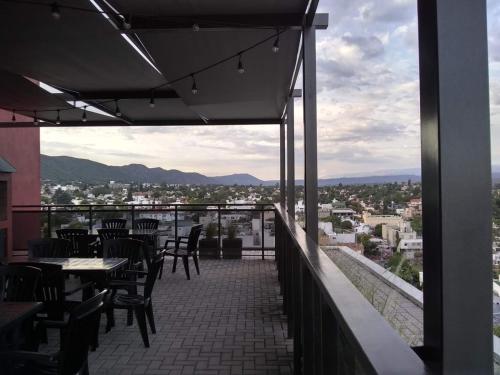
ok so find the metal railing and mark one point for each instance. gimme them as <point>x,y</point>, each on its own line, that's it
<point>89,214</point>
<point>335,330</point>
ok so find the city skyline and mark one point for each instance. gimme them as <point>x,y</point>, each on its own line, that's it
<point>368,108</point>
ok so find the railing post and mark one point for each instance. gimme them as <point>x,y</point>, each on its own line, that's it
<point>262,230</point>
<point>49,219</point>
<point>175,223</point>
<point>219,226</point>
<point>90,218</point>
<point>132,215</point>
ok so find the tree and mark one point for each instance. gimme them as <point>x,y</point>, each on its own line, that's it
<point>416,224</point>
<point>62,197</point>
<point>378,230</point>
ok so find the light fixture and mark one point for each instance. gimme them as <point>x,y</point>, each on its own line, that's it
<point>58,119</point>
<point>276,45</point>
<point>241,69</point>
<point>35,118</point>
<point>54,9</point>
<point>84,114</point>
<point>127,25</point>
<point>194,88</point>
<point>13,115</point>
<point>152,100</point>
<point>196,27</point>
<point>117,109</point>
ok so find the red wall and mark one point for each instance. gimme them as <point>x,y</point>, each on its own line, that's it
<point>21,148</point>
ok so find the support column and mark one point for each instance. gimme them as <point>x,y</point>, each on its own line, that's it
<point>290,160</point>
<point>456,185</point>
<point>310,133</point>
<point>282,164</point>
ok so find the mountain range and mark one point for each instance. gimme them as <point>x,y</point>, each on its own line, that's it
<point>66,169</point>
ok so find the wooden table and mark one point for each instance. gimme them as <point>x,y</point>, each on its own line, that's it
<point>13,319</point>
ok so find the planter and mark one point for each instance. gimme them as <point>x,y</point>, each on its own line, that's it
<point>209,248</point>
<point>231,248</point>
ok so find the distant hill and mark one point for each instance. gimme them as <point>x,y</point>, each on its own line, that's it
<point>64,169</point>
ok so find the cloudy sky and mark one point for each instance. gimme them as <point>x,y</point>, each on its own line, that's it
<point>368,107</point>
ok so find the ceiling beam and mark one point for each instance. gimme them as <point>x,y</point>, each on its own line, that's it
<point>226,22</point>
<point>112,123</point>
<point>129,94</point>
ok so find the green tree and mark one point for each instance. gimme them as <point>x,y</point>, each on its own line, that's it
<point>62,197</point>
<point>378,230</point>
<point>416,225</point>
<point>346,225</point>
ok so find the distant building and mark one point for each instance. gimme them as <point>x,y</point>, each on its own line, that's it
<point>373,220</point>
<point>410,247</point>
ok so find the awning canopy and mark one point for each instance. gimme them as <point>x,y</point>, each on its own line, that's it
<point>126,52</point>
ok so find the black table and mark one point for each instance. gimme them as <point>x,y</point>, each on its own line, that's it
<point>15,319</point>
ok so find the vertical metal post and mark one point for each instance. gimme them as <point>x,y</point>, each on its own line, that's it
<point>175,223</point>
<point>132,214</point>
<point>290,158</point>
<point>49,223</point>
<point>310,133</point>
<point>262,230</point>
<point>456,185</point>
<point>90,219</point>
<point>219,226</point>
<point>282,164</point>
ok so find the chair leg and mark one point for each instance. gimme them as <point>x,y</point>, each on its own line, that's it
<point>130,317</point>
<point>186,266</point>
<point>95,335</point>
<point>150,316</point>
<point>110,317</point>
<point>85,368</point>
<point>140,315</point>
<point>161,268</point>
<point>195,259</point>
<point>174,266</point>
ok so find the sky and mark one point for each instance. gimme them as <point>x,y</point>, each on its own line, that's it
<point>368,107</point>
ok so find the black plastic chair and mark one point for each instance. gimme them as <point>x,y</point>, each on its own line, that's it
<point>189,249</point>
<point>146,224</point>
<point>73,356</point>
<point>49,248</point>
<point>18,283</point>
<point>110,234</point>
<point>114,223</point>
<point>142,305</point>
<point>79,239</point>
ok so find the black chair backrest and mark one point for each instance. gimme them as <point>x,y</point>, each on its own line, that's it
<point>50,288</point>
<point>49,248</point>
<point>114,223</point>
<point>18,283</point>
<point>146,224</point>
<point>79,334</point>
<point>123,248</point>
<point>194,235</point>
<point>153,269</point>
<point>79,241</point>
<point>112,233</point>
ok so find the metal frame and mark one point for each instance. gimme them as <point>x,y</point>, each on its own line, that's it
<point>226,22</point>
<point>310,133</point>
<point>282,164</point>
<point>290,160</point>
<point>456,181</point>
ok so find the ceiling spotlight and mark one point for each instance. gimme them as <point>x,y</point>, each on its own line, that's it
<point>13,115</point>
<point>84,115</point>
<point>35,119</point>
<point>54,9</point>
<point>58,119</point>
<point>194,88</point>
<point>152,100</point>
<point>241,69</point>
<point>196,27</point>
<point>117,109</point>
<point>276,45</point>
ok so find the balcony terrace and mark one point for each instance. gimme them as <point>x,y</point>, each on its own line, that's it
<point>159,63</point>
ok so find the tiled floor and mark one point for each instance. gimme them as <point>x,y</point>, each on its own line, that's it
<point>226,321</point>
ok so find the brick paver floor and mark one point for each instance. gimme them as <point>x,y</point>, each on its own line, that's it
<point>228,320</point>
